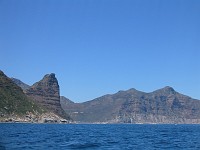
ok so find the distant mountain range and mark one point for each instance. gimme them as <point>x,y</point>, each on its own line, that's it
<point>161,106</point>
<point>132,106</point>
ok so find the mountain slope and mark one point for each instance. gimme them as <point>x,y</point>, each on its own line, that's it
<point>161,106</point>
<point>20,83</point>
<point>65,101</point>
<point>12,98</point>
<point>101,109</point>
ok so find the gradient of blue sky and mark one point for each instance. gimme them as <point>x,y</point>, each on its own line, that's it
<point>97,47</point>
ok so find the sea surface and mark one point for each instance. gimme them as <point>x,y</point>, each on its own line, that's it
<point>98,137</point>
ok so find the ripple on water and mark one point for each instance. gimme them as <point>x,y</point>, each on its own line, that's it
<point>83,145</point>
<point>97,137</point>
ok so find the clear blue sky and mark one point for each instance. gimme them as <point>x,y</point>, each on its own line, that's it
<point>97,47</point>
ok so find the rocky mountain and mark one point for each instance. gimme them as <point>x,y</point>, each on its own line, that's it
<point>20,84</point>
<point>65,101</point>
<point>161,106</point>
<point>13,100</point>
<point>46,93</point>
<point>42,103</point>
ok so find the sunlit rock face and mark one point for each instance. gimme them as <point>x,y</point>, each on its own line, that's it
<point>47,94</point>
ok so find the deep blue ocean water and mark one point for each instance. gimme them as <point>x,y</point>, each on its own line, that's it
<point>98,137</point>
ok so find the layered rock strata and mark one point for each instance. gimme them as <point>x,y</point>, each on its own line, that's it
<point>46,93</point>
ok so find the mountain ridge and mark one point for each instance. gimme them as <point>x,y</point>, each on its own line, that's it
<point>21,84</point>
<point>164,105</point>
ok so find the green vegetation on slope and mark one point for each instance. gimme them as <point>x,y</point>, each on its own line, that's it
<point>12,98</point>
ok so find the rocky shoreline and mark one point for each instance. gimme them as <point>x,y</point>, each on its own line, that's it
<point>34,118</point>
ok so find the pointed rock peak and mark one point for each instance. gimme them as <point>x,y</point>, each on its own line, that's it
<point>52,75</point>
<point>49,78</point>
<point>49,81</point>
<point>46,93</point>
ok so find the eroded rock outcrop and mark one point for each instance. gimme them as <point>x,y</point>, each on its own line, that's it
<point>46,93</point>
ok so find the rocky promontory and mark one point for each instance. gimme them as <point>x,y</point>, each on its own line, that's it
<point>40,103</point>
<point>46,93</point>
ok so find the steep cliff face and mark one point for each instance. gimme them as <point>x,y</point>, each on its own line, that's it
<point>161,106</point>
<point>46,93</point>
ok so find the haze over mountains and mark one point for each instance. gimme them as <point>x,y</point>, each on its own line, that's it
<point>131,106</point>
